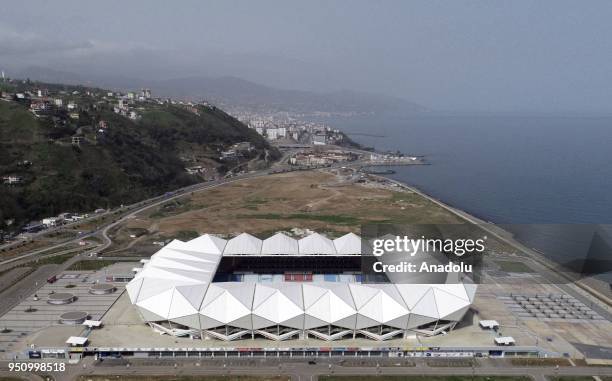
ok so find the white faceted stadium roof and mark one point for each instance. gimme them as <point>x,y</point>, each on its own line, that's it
<point>176,285</point>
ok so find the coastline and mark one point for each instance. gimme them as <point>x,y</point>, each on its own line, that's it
<point>508,238</point>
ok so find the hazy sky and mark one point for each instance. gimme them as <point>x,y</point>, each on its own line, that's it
<point>473,55</point>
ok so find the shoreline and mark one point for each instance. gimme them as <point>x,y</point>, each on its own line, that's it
<point>508,238</point>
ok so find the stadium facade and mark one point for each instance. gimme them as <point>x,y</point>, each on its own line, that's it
<point>175,293</point>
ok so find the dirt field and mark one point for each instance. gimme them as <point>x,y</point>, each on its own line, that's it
<point>325,202</point>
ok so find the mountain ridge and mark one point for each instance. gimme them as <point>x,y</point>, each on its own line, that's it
<point>234,91</point>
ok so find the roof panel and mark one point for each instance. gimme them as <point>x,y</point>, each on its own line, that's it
<point>180,306</point>
<point>277,308</point>
<point>348,244</point>
<point>243,244</point>
<point>206,244</point>
<point>316,244</point>
<point>225,308</point>
<point>362,294</point>
<point>159,303</point>
<point>448,303</point>
<point>280,243</point>
<point>194,293</point>
<point>426,306</point>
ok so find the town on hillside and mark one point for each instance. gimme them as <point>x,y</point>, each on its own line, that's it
<point>81,111</point>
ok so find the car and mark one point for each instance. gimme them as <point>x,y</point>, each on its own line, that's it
<point>312,362</point>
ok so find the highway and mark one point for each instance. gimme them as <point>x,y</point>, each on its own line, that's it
<point>32,282</point>
<point>141,206</point>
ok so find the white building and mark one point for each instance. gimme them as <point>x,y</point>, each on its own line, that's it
<point>319,139</point>
<point>274,133</point>
<point>175,294</point>
<point>52,221</point>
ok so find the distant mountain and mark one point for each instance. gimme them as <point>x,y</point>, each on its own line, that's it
<point>236,91</point>
<point>49,75</point>
<point>233,91</point>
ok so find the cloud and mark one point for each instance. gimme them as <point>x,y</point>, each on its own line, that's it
<point>18,44</point>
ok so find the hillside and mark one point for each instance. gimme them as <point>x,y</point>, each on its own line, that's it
<point>117,160</point>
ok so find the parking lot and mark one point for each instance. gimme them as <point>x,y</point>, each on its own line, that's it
<point>35,312</point>
<point>549,307</point>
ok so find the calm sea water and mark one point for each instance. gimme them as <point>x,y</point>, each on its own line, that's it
<point>505,169</point>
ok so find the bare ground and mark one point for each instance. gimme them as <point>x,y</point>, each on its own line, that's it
<point>322,201</point>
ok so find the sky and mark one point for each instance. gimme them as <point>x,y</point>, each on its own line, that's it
<point>541,55</point>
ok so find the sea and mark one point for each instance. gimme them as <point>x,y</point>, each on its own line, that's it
<point>547,177</point>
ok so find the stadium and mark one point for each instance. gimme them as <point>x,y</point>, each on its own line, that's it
<point>282,288</point>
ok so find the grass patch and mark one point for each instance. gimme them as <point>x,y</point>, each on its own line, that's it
<point>575,378</point>
<point>540,362</point>
<point>186,235</point>
<point>424,378</point>
<point>174,207</point>
<point>514,267</point>
<point>181,235</point>
<point>256,201</point>
<point>451,363</point>
<point>137,232</point>
<point>405,197</point>
<point>91,265</point>
<point>54,260</point>
<point>94,240</point>
<point>179,378</point>
<point>332,219</point>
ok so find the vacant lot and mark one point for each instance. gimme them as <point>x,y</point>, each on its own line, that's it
<point>318,201</point>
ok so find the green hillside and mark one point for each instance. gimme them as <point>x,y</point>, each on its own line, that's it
<point>129,161</point>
